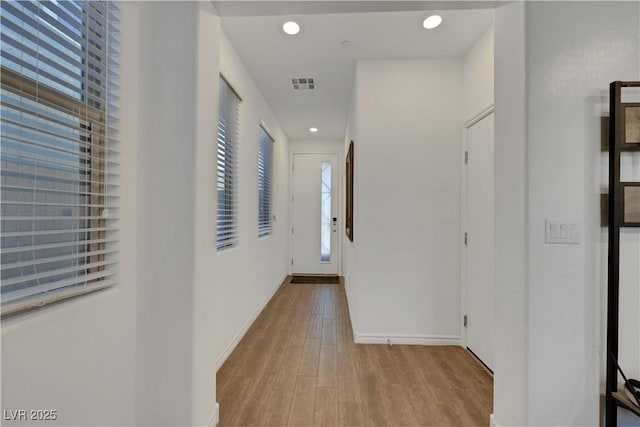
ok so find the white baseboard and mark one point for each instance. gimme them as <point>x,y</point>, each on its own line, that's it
<point>493,422</point>
<point>215,417</point>
<point>227,352</point>
<point>406,339</point>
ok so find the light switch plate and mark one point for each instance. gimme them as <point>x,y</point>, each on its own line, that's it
<point>562,231</point>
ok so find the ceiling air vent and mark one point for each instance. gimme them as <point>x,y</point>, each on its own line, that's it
<point>302,83</point>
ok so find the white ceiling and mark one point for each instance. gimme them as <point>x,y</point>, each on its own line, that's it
<point>273,58</point>
<point>301,7</point>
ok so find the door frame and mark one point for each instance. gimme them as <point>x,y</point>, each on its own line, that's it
<point>340,230</point>
<point>464,287</point>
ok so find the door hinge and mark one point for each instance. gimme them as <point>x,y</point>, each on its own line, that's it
<point>466,157</point>
<point>466,239</point>
<point>465,320</point>
<point>292,262</point>
<point>292,198</point>
<point>291,230</point>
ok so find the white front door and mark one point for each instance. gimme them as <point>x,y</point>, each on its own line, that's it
<point>480,229</point>
<point>315,214</point>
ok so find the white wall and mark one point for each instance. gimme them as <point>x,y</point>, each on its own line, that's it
<point>407,200</point>
<point>313,146</point>
<point>204,320</point>
<point>511,207</point>
<point>178,97</point>
<point>478,76</point>
<point>166,174</point>
<point>77,357</point>
<point>564,118</point>
<point>568,65</point>
<point>248,275</point>
<point>350,248</point>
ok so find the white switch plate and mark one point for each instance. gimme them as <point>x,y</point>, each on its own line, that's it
<point>562,231</point>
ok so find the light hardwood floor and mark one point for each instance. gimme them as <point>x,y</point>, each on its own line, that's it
<point>298,366</point>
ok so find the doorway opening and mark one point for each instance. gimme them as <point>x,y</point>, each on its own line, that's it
<point>478,261</point>
<point>315,211</point>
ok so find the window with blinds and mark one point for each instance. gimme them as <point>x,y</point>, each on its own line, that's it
<point>227,167</point>
<point>265,184</point>
<point>59,151</point>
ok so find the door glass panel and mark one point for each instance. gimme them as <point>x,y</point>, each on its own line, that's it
<point>325,213</point>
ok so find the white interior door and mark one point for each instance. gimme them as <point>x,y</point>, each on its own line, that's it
<point>315,214</point>
<point>480,240</point>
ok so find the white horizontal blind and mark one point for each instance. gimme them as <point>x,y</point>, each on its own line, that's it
<point>227,167</point>
<point>265,185</point>
<point>59,151</point>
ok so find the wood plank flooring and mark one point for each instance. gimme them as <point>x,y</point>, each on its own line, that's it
<point>298,366</point>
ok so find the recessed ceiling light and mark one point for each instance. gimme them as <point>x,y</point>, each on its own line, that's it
<point>345,43</point>
<point>313,130</point>
<point>291,28</point>
<point>432,21</point>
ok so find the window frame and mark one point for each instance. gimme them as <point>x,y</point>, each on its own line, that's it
<point>228,175</point>
<point>92,268</point>
<point>265,182</point>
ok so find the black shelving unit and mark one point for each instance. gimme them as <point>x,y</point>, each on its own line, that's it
<point>618,143</point>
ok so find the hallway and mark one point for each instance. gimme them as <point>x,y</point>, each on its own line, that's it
<point>298,365</point>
